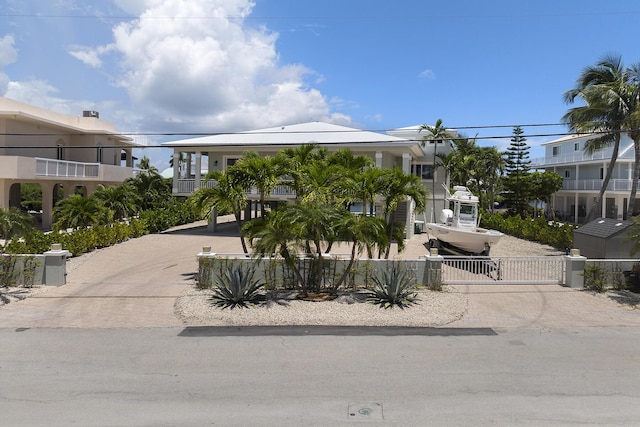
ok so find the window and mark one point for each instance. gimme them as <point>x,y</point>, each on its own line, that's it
<point>567,173</point>
<point>601,173</point>
<point>423,171</point>
<point>99,154</point>
<point>230,161</point>
<point>576,146</point>
<point>60,152</point>
<point>556,151</point>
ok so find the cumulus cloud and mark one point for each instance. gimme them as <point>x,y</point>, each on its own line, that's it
<point>8,55</point>
<point>427,74</point>
<point>197,64</point>
<point>90,56</point>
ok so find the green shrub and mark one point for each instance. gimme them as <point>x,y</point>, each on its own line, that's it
<point>7,270</point>
<point>595,277</point>
<point>236,287</point>
<point>555,234</point>
<point>393,287</point>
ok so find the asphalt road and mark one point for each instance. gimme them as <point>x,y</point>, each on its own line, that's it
<point>300,376</point>
<point>107,350</point>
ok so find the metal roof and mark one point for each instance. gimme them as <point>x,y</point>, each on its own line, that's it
<point>320,133</point>
<point>604,227</point>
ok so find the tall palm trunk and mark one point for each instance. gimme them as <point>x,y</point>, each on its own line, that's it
<point>636,175</point>
<point>596,209</point>
<point>237,214</point>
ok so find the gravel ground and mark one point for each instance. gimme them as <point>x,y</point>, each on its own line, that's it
<point>433,309</point>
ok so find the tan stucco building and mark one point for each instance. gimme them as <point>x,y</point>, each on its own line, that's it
<point>58,152</point>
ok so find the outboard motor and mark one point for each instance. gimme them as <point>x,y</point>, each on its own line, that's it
<point>446,216</point>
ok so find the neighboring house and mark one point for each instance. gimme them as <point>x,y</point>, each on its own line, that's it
<point>401,148</point>
<point>583,175</point>
<point>63,154</point>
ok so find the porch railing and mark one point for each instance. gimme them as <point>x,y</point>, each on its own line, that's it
<point>64,168</point>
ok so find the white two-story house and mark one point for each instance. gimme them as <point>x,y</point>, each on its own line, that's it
<point>63,154</point>
<point>583,175</point>
<point>402,148</point>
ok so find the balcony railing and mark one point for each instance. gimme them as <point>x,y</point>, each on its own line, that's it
<point>63,168</point>
<point>574,157</point>
<point>188,186</point>
<point>595,184</point>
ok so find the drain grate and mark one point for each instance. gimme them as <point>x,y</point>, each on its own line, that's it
<point>365,411</point>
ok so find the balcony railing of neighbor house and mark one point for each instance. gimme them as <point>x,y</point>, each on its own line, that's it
<point>64,168</point>
<point>188,186</point>
<point>595,184</point>
<point>573,157</point>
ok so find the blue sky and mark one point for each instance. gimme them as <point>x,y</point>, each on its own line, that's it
<point>171,66</point>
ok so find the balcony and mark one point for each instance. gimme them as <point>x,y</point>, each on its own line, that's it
<point>43,169</point>
<point>595,184</point>
<point>188,186</point>
<point>575,157</point>
<point>63,168</point>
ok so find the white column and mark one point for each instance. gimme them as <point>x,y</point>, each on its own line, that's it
<point>198,169</point>
<point>176,171</point>
<point>47,204</point>
<point>603,202</point>
<point>575,202</point>
<point>406,162</point>
<point>409,220</point>
<point>379,159</point>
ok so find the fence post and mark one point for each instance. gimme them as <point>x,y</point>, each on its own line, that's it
<point>574,271</point>
<point>55,266</point>
<point>432,268</point>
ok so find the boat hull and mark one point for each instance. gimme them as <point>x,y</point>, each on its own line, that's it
<point>473,240</point>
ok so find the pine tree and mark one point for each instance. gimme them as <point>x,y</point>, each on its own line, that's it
<point>517,174</point>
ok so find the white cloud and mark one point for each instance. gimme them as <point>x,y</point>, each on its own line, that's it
<point>427,74</point>
<point>90,56</point>
<point>8,55</point>
<point>196,64</point>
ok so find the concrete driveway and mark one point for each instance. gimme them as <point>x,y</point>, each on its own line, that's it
<point>135,284</point>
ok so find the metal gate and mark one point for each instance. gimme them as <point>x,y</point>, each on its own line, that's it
<point>503,270</point>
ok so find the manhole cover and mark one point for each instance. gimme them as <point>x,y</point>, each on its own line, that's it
<point>365,411</point>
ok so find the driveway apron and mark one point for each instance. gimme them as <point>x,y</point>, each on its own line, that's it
<point>132,284</point>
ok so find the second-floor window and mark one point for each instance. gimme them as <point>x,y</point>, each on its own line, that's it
<point>567,174</point>
<point>556,151</point>
<point>576,146</point>
<point>99,155</point>
<point>60,152</point>
<point>423,171</point>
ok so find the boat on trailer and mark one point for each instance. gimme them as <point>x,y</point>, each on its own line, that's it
<point>458,229</point>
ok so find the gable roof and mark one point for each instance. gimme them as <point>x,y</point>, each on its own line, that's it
<point>320,133</point>
<point>604,227</point>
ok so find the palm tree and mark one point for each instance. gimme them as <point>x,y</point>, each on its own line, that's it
<point>79,212</point>
<point>14,223</point>
<point>398,187</point>
<point>603,89</point>
<point>632,127</point>
<point>438,134</point>
<point>152,190</point>
<point>263,172</point>
<point>228,195</point>
<point>119,199</point>
<point>297,162</point>
<point>145,165</point>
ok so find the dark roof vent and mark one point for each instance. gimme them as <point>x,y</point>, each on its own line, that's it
<point>91,113</point>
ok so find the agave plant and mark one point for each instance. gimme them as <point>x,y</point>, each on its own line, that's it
<point>392,288</point>
<point>236,287</point>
